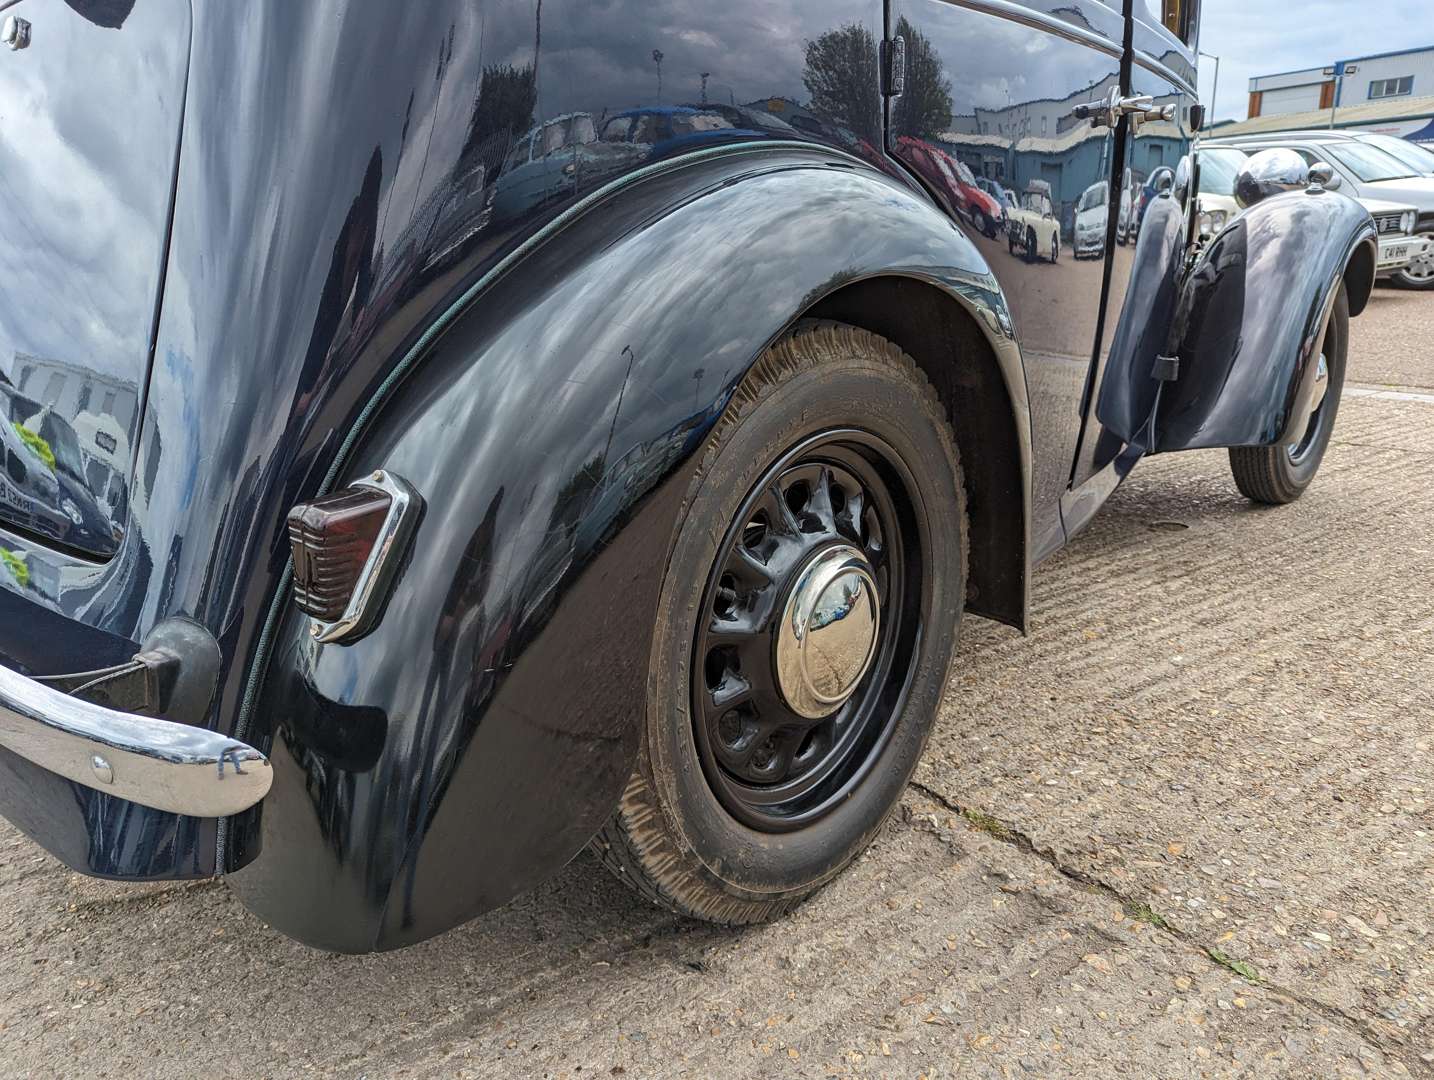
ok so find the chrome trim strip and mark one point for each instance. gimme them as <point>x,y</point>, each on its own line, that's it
<point>377,573</point>
<point>1038,20</point>
<point>157,763</point>
<point>1155,67</point>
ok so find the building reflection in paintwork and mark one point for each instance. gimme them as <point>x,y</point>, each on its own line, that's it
<point>81,259</point>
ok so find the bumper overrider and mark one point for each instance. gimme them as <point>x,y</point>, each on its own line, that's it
<point>157,763</point>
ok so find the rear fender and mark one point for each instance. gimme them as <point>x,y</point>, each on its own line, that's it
<point>478,737</point>
<point>1251,318</point>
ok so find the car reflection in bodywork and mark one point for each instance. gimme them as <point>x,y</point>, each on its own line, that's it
<point>43,480</point>
<point>959,188</point>
<point>549,163</point>
<point>1092,216</point>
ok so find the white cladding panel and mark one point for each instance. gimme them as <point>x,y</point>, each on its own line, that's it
<point>1288,79</point>
<point>1293,100</point>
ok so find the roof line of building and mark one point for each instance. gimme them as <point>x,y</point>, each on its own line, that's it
<point>1337,63</point>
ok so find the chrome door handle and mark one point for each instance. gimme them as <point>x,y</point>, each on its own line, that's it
<point>1143,110</point>
<point>1140,109</point>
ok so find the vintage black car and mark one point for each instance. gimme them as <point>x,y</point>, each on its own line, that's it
<point>497,427</point>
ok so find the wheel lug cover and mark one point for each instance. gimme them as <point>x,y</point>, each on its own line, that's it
<point>829,630</point>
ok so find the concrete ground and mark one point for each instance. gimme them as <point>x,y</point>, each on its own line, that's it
<point>1182,830</point>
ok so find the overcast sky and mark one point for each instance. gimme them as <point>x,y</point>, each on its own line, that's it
<point>1262,37</point>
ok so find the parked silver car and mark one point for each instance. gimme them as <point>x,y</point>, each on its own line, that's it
<point>1365,168</point>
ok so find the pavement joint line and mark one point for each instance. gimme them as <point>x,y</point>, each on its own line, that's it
<point>1385,394</point>
<point>1006,833</point>
<point>1384,449</point>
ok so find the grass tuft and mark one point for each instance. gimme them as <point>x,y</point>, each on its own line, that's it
<point>1147,914</point>
<point>1245,970</point>
<point>986,824</point>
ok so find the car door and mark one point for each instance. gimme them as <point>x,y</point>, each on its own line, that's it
<point>1142,279</point>
<point>998,88</point>
<point>91,99</point>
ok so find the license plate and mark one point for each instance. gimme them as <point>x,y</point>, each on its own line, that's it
<point>1398,251</point>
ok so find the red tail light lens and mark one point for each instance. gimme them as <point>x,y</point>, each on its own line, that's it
<point>333,538</point>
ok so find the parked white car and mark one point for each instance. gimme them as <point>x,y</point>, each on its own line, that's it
<point>1368,172</point>
<point>1127,207</point>
<point>1092,218</point>
<point>1218,168</point>
<point>1033,226</point>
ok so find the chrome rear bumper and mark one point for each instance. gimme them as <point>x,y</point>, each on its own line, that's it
<point>158,763</point>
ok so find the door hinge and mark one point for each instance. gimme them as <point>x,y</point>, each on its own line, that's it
<point>893,55</point>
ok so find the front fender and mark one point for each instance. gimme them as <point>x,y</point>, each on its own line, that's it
<point>474,742</point>
<point>1251,318</point>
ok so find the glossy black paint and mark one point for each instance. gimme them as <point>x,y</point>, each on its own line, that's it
<point>1251,318</point>
<point>82,253</point>
<point>553,235</point>
<point>416,771</point>
<point>346,171</point>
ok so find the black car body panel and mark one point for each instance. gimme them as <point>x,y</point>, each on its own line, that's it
<point>1248,347</point>
<point>82,257</point>
<point>511,582</point>
<point>521,252</point>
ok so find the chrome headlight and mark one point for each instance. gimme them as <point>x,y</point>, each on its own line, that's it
<point>1406,223</point>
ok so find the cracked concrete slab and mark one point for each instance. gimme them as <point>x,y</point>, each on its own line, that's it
<point>1183,830</point>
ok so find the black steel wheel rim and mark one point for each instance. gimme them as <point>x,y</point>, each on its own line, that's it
<point>771,768</point>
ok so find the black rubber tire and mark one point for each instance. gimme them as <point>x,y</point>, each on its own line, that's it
<point>1033,253</point>
<point>671,838</point>
<point>1267,474</point>
<point>1056,248</point>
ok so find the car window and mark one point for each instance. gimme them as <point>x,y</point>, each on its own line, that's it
<point>692,123</point>
<point>572,131</point>
<point>1218,169</point>
<point>1036,202</point>
<point>1095,196</point>
<point>616,129</point>
<point>1369,163</point>
<point>1413,155</point>
<point>582,131</point>
<point>555,137</point>
<point>651,128</point>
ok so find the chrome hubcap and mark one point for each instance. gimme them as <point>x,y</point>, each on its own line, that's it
<point>1298,451</point>
<point>828,633</point>
<point>1321,384</point>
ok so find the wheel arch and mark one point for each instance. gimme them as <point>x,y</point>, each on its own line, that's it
<point>948,344</point>
<point>481,734</point>
<point>1359,278</point>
